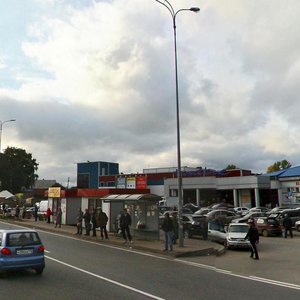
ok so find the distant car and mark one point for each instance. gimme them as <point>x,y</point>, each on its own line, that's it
<point>21,249</point>
<point>268,226</point>
<point>241,210</point>
<point>202,211</point>
<point>191,206</point>
<point>235,237</point>
<point>246,218</point>
<point>223,215</point>
<point>259,209</point>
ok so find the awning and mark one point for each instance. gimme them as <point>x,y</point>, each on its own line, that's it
<point>131,197</point>
<point>6,194</point>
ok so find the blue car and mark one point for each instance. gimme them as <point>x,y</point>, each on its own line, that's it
<point>21,249</point>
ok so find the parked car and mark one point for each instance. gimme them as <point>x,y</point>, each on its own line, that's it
<point>223,205</point>
<point>21,249</point>
<point>246,218</point>
<point>241,210</point>
<point>222,215</point>
<point>202,211</point>
<point>268,226</point>
<point>294,214</point>
<point>236,233</point>
<point>216,232</point>
<point>259,209</point>
<point>191,206</point>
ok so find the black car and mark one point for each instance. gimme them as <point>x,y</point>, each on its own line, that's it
<point>250,215</point>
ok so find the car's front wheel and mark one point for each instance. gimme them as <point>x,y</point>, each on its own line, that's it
<point>265,233</point>
<point>298,227</point>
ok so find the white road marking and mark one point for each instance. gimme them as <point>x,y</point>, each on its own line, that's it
<point>106,279</point>
<point>194,264</point>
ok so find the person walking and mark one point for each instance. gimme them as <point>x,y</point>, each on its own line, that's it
<point>79,221</point>
<point>102,220</point>
<point>87,221</point>
<point>125,222</point>
<point>253,237</point>
<point>58,218</point>
<point>94,221</point>
<point>287,224</point>
<point>48,214</point>
<point>168,228</point>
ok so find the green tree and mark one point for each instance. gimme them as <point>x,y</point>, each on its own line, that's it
<point>279,165</point>
<point>17,170</point>
<point>230,167</point>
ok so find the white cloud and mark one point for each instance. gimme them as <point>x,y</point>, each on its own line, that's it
<point>102,85</point>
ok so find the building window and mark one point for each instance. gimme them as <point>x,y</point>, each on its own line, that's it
<point>173,192</point>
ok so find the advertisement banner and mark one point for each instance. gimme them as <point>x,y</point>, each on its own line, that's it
<point>130,183</point>
<point>54,192</point>
<point>141,182</point>
<point>121,182</point>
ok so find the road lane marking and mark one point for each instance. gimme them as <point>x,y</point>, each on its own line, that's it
<point>248,277</point>
<point>106,279</point>
<point>194,264</point>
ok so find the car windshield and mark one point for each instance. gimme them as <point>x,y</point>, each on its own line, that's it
<point>238,228</point>
<point>22,239</point>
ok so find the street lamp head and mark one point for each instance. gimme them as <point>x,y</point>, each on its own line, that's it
<point>195,9</point>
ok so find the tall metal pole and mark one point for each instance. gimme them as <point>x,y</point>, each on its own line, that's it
<point>1,128</point>
<point>174,13</point>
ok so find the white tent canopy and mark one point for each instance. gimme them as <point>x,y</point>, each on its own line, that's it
<point>6,194</point>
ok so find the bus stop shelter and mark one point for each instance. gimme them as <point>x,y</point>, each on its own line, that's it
<point>144,211</point>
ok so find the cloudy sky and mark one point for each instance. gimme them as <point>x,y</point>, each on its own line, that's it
<point>94,80</point>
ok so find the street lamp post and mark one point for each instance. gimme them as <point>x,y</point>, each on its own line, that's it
<point>174,13</point>
<point>1,128</point>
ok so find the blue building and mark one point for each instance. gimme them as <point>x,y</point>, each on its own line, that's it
<point>88,173</point>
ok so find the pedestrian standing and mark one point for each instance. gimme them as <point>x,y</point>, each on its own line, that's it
<point>48,214</point>
<point>94,221</point>
<point>35,212</point>
<point>87,221</point>
<point>168,228</point>
<point>125,222</point>
<point>102,220</point>
<point>287,224</point>
<point>58,218</point>
<point>17,213</point>
<point>79,221</point>
<point>253,237</point>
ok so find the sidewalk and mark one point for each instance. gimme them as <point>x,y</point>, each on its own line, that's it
<point>192,247</point>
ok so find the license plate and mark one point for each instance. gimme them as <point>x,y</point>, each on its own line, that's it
<point>24,251</point>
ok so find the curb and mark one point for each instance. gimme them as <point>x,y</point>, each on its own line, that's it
<point>215,249</point>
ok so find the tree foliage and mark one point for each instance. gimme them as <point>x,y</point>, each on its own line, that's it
<point>230,167</point>
<point>17,170</point>
<point>279,165</point>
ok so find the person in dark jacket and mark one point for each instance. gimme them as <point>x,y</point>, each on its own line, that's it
<point>58,218</point>
<point>94,221</point>
<point>253,237</point>
<point>102,220</point>
<point>79,221</point>
<point>125,222</point>
<point>87,221</point>
<point>287,224</point>
<point>168,228</point>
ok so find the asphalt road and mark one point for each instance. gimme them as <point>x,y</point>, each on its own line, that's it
<point>78,269</point>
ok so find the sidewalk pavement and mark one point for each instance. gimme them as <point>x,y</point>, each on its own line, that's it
<point>192,247</point>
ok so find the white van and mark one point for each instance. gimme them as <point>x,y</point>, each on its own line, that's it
<point>43,208</point>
